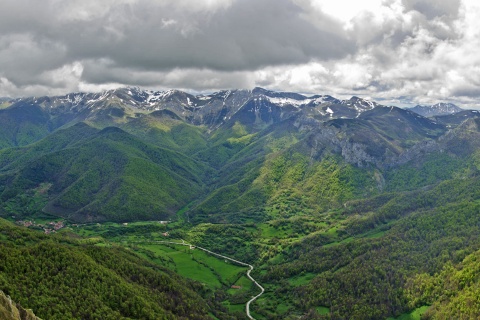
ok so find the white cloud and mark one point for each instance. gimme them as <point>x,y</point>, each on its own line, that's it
<point>345,10</point>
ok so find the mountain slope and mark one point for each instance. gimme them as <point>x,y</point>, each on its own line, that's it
<point>287,160</point>
<point>22,124</point>
<point>453,120</point>
<point>453,292</point>
<point>165,129</point>
<point>107,174</point>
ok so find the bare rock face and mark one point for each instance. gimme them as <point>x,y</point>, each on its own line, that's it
<point>9,310</point>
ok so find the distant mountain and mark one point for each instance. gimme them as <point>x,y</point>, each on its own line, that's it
<point>438,109</point>
<point>385,133</point>
<point>454,119</point>
<point>213,110</point>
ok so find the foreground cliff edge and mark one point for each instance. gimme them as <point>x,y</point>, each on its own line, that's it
<point>9,310</point>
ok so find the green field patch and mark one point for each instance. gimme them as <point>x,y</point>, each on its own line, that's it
<point>282,308</point>
<point>323,310</point>
<point>277,259</point>
<point>301,280</point>
<point>332,231</point>
<point>92,240</point>
<point>269,231</point>
<point>234,307</point>
<point>242,140</point>
<point>198,265</point>
<point>186,263</point>
<point>241,285</point>
<point>85,232</point>
<point>271,305</point>
<point>228,271</point>
<point>102,244</point>
<point>194,264</point>
<point>414,315</point>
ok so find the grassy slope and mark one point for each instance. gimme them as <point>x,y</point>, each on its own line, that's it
<point>168,132</point>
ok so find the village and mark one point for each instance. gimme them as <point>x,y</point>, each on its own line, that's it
<point>48,227</point>
<point>53,226</point>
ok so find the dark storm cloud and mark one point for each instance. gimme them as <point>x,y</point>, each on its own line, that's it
<point>23,58</point>
<point>469,91</point>
<point>99,72</point>
<point>245,35</point>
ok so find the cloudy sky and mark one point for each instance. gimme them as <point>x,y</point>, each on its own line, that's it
<point>397,52</point>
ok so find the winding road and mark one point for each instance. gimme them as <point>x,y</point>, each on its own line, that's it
<point>262,290</point>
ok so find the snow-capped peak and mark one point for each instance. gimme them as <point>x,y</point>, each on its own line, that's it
<point>437,109</point>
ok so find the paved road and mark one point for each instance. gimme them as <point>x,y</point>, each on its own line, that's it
<point>262,290</point>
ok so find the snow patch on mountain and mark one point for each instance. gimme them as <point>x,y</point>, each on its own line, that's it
<point>283,101</point>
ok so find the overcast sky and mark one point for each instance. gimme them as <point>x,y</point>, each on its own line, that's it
<point>396,52</point>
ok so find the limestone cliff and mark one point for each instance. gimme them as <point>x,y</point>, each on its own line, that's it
<point>9,310</point>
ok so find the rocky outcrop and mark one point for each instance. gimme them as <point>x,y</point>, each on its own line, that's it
<point>362,143</point>
<point>9,310</point>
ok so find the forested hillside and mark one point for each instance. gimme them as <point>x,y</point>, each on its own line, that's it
<point>65,278</point>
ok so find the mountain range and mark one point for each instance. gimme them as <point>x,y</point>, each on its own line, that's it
<point>348,209</point>
<point>212,111</point>
<point>135,154</point>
